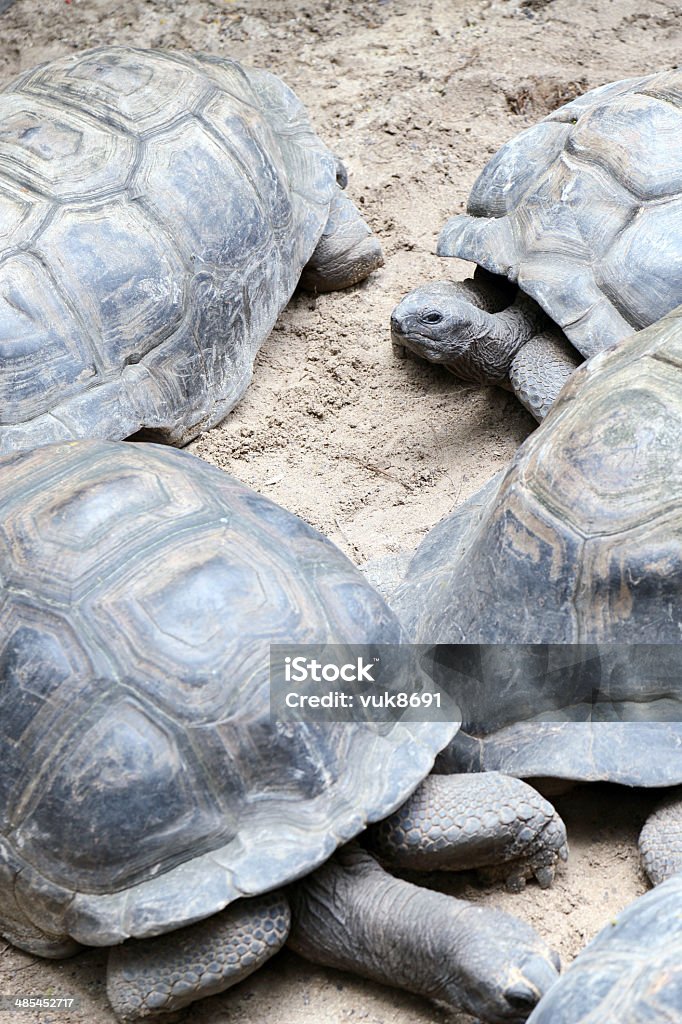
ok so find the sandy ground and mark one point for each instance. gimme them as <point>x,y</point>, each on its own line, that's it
<point>370,448</point>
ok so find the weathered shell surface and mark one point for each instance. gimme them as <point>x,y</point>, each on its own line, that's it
<point>631,972</point>
<point>156,211</point>
<point>142,782</point>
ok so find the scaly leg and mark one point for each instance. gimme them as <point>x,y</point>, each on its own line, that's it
<point>148,979</point>
<point>660,841</point>
<point>540,369</point>
<point>346,253</point>
<point>484,820</point>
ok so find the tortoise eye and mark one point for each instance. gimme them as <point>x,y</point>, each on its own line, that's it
<point>432,318</point>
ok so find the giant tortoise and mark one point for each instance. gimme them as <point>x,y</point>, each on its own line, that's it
<point>584,212</point>
<point>579,543</point>
<point>157,211</point>
<point>631,973</point>
<point>144,786</point>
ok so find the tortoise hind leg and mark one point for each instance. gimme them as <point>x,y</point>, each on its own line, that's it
<point>346,253</point>
<point>23,934</point>
<point>660,841</point>
<point>150,979</point>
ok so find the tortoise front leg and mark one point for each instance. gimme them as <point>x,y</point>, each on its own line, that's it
<point>352,915</point>
<point>540,369</point>
<point>148,979</point>
<point>346,253</point>
<point>484,820</point>
<point>660,841</point>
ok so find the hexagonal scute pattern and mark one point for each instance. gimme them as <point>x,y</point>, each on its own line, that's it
<point>583,210</point>
<point>157,210</point>
<point>619,136</point>
<point>140,590</point>
<point>62,157</point>
<point>121,86</point>
<point>623,460</point>
<point>45,352</point>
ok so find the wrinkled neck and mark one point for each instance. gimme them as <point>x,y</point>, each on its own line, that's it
<point>499,336</point>
<point>485,347</point>
<point>520,322</point>
<point>494,340</point>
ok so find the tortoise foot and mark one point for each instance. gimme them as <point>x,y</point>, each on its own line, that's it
<point>347,252</point>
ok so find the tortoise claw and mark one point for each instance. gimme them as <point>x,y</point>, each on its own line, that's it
<point>545,877</point>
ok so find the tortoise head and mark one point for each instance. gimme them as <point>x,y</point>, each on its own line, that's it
<point>436,323</point>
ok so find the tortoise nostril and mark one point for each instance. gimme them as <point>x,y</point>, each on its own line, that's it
<point>521,997</point>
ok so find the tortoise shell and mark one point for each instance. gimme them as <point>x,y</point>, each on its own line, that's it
<point>143,784</point>
<point>580,542</point>
<point>156,211</point>
<point>584,211</point>
<point>630,973</point>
